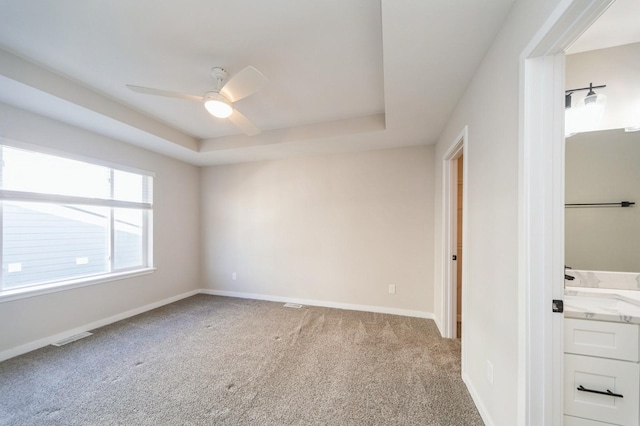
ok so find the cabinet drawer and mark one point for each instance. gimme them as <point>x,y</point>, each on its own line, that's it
<point>576,421</point>
<point>620,377</point>
<point>604,339</point>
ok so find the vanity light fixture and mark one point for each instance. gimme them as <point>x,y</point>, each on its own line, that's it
<point>590,99</point>
<point>587,115</point>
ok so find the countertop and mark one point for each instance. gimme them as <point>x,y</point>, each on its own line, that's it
<point>602,304</point>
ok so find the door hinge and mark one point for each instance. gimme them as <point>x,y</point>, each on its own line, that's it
<point>557,306</point>
<point>455,257</point>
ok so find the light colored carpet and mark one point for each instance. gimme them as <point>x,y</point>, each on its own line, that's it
<point>210,360</point>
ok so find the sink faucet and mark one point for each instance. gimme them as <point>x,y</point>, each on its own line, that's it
<point>568,277</point>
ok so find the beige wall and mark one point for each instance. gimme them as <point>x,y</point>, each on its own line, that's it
<point>176,236</point>
<point>336,229</point>
<point>603,167</point>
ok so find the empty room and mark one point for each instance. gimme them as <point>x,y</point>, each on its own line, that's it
<point>287,213</point>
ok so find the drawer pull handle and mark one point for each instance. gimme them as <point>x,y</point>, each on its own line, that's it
<point>608,392</point>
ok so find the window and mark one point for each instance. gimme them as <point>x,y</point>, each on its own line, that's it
<point>65,221</point>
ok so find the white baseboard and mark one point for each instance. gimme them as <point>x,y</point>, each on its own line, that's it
<point>322,303</point>
<point>438,324</point>
<point>37,344</point>
<point>488,421</point>
<point>31,346</point>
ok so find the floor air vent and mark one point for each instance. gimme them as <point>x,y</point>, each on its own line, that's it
<point>72,338</point>
<point>292,305</point>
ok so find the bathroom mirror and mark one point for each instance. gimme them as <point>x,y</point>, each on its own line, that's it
<point>603,167</point>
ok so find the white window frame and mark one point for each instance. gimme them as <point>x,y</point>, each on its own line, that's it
<point>113,274</point>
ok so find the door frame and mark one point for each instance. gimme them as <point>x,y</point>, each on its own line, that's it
<point>541,210</point>
<point>449,235</point>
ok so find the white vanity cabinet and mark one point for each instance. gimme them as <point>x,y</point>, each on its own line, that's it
<point>601,373</point>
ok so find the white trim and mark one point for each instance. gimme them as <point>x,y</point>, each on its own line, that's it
<point>541,210</point>
<point>23,196</point>
<point>39,290</point>
<point>449,241</point>
<point>539,232</point>
<point>37,344</point>
<point>438,324</point>
<point>322,303</point>
<point>477,400</point>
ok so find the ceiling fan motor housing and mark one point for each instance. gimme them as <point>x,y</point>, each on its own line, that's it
<point>219,75</point>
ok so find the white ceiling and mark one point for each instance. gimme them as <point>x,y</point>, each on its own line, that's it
<point>343,75</point>
<point>618,25</point>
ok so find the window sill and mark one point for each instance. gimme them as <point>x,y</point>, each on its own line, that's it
<point>39,290</point>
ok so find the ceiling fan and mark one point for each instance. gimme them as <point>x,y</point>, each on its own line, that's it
<point>219,101</point>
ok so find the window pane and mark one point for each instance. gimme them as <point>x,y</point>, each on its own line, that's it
<point>128,238</point>
<point>131,187</point>
<point>64,219</point>
<point>49,242</point>
<point>47,174</point>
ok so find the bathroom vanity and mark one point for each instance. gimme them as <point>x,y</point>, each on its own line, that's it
<point>601,357</point>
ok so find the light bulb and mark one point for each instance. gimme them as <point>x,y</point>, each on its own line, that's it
<point>593,111</point>
<point>217,105</point>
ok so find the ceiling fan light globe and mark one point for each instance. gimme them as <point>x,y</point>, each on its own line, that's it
<point>217,105</point>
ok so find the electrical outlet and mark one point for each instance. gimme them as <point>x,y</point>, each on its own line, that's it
<point>392,288</point>
<point>490,372</point>
<point>233,276</point>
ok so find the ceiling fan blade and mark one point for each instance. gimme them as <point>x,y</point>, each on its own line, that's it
<point>243,123</point>
<point>245,83</point>
<point>166,93</point>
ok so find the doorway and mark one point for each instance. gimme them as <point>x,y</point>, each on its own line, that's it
<point>541,210</point>
<point>459,209</point>
<point>454,204</point>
